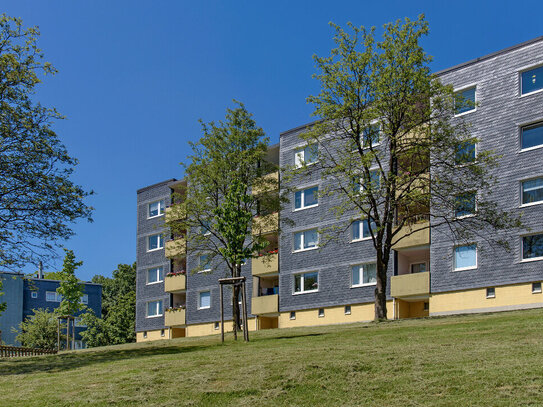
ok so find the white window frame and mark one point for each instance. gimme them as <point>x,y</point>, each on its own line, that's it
<point>463,88</point>
<point>302,281</point>
<point>537,291</point>
<point>159,271</point>
<point>299,156</point>
<point>380,132</point>
<point>522,259</point>
<point>522,150</point>
<point>319,313</point>
<point>79,322</point>
<point>520,72</point>
<point>469,215</point>
<point>363,184</point>
<point>488,295</point>
<point>476,257</point>
<point>159,313</point>
<point>200,263</point>
<point>361,274</point>
<point>302,249</point>
<point>85,299</point>
<point>349,311</point>
<point>34,294</point>
<point>161,208</point>
<point>360,230</point>
<point>160,242</point>
<point>522,205</point>
<point>200,299</point>
<point>58,297</point>
<point>304,206</point>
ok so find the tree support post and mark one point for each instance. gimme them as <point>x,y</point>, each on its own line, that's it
<point>234,281</point>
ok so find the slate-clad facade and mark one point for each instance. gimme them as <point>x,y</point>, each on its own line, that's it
<point>422,279</point>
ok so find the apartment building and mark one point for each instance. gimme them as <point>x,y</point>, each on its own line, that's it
<point>430,274</point>
<point>23,295</point>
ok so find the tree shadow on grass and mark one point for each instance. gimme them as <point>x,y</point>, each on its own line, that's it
<point>74,360</point>
<point>293,336</point>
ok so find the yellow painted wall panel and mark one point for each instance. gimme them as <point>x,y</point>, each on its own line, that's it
<point>153,335</point>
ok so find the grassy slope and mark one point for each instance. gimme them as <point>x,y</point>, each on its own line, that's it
<point>490,360</point>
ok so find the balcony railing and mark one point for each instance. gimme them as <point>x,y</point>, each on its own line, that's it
<point>174,213</point>
<point>410,285</point>
<point>265,224</point>
<point>417,234</point>
<point>175,283</point>
<point>174,317</point>
<point>267,304</point>
<point>268,264</point>
<point>176,248</point>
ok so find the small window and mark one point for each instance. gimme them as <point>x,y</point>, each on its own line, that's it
<point>204,300</point>
<point>85,299</point>
<point>306,198</point>
<point>465,257</point>
<point>374,182</point>
<point>491,292</point>
<point>532,247</point>
<point>371,136</point>
<point>154,275</point>
<point>364,274</point>
<point>156,208</point>
<point>308,239</point>
<point>292,314</point>
<point>154,309</point>
<point>155,242</point>
<point>216,325</point>
<point>347,310</point>
<point>531,81</point>
<point>532,135</point>
<point>53,296</point>
<point>361,229</point>
<point>34,294</point>
<point>532,191</point>
<point>464,100</point>
<point>306,156</point>
<point>205,262</point>
<point>464,205</point>
<point>306,282</point>
<point>145,335</point>
<point>426,306</point>
<point>465,153</point>
<point>205,228</point>
<point>321,312</point>
<point>162,333</point>
<point>418,268</point>
<point>79,323</point>
<point>536,288</point>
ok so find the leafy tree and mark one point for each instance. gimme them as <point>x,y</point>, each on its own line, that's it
<point>70,287</point>
<point>389,151</point>
<point>38,199</point>
<point>218,206</point>
<point>39,330</point>
<point>117,322</point>
<point>3,305</point>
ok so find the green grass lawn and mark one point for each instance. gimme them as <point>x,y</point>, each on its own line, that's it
<point>475,360</point>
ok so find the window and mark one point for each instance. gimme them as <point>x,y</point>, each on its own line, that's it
<point>371,136</point>
<point>292,314</point>
<point>154,309</point>
<point>531,81</point>
<point>53,296</point>
<point>145,335</point>
<point>532,191</point>
<point>464,205</point>
<point>347,310</point>
<point>154,275</point>
<point>532,135</point>
<point>205,228</point>
<point>361,229</point>
<point>536,288</point>
<point>216,326</point>
<point>306,240</point>
<point>532,247</point>
<point>465,257</point>
<point>465,153</point>
<point>491,292</point>
<point>155,242</point>
<point>306,156</point>
<point>156,208</point>
<point>79,323</point>
<point>162,333</point>
<point>306,282</point>
<point>374,182</point>
<point>363,274</point>
<point>79,344</point>
<point>205,262</point>
<point>204,300</point>
<point>464,101</point>
<point>34,294</point>
<point>418,268</point>
<point>306,198</point>
<point>85,299</point>
<point>426,306</point>
<point>321,312</point>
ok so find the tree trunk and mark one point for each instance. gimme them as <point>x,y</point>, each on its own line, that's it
<point>236,272</point>
<point>380,290</point>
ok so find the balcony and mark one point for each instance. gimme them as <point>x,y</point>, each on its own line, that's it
<point>175,317</point>
<point>174,213</point>
<point>176,248</point>
<point>267,304</point>
<point>410,285</point>
<point>175,283</point>
<point>265,224</point>
<point>265,265</point>
<point>413,236</point>
<point>271,184</point>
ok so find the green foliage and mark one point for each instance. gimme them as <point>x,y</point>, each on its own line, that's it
<point>3,305</point>
<point>70,287</point>
<point>39,330</point>
<point>117,322</point>
<point>35,166</point>
<point>54,275</point>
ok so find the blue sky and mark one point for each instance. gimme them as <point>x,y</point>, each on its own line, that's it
<point>135,77</point>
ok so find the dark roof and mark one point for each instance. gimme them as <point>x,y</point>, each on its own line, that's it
<point>158,184</point>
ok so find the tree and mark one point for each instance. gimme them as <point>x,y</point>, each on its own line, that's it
<point>70,287</point>
<point>38,199</point>
<point>38,330</point>
<point>225,188</point>
<point>390,150</point>
<point>3,305</point>
<point>117,322</point>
